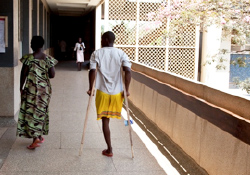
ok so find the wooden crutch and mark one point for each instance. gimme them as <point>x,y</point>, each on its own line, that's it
<point>86,116</point>
<point>128,116</point>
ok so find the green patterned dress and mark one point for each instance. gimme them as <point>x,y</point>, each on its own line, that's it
<point>33,119</point>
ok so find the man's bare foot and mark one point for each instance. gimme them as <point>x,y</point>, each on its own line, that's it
<point>107,153</point>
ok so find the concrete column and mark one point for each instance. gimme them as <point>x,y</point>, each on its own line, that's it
<point>9,69</point>
<point>38,16</point>
<point>7,58</point>
<point>34,18</point>
<point>137,32</point>
<point>17,68</point>
<point>98,16</point>
<point>41,7</point>
<point>30,23</point>
<point>45,27</point>
<point>26,26</point>
<point>212,43</point>
<point>106,15</point>
<point>48,30</point>
<point>197,31</point>
<point>204,57</point>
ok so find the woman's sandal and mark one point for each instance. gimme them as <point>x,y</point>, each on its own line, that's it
<point>41,140</point>
<point>33,146</point>
<point>104,152</point>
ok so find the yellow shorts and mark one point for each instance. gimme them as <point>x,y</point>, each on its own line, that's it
<point>109,106</point>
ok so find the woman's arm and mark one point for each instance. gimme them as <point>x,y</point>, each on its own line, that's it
<point>75,47</point>
<point>24,74</point>
<point>52,72</point>
<point>83,46</point>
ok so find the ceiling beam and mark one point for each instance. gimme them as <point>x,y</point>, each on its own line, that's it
<point>75,5</point>
<point>70,9</point>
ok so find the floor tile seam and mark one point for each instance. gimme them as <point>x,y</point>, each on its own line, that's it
<point>79,172</point>
<point>76,132</point>
<point>64,110</point>
<point>13,136</point>
<point>5,155</point>
<point>95,147</point>
<point>5,128</point>
<point>72,171</point>
<point>60,140</point>
<point>33,172</point>
<point>73,117</point>
<point>114,164</point>
<point>71,132</point>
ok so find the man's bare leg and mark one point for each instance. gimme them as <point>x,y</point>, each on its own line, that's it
<point>106,133</point>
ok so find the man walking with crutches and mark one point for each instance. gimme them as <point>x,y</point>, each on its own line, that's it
<point>105,66</point>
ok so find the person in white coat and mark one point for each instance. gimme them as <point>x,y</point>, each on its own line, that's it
<point>79,48</point>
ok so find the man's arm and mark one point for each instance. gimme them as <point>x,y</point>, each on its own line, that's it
<point>127,71</point>
<point>91,80</point>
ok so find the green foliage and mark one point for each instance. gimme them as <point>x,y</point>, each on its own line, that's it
<point>219,59</point>
<point>244,85</point>
<point>241,61</point>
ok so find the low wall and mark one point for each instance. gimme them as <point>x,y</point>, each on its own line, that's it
<point>227,101</point>
<point>9,91</point>
<point>206,123</point>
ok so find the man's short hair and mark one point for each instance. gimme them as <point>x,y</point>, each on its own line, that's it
<point>110,36</point>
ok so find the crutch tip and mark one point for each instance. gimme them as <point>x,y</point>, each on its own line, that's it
<point>80,153</point>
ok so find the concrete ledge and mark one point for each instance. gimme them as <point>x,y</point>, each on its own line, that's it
<point>216,138</point>
<point>235,104</point>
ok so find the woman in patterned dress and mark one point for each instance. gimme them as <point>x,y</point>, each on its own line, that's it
<point>35,88</point>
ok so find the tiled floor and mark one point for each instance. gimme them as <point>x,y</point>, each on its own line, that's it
<point>59,154</point>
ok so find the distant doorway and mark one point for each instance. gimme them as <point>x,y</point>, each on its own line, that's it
<point>65,31</point>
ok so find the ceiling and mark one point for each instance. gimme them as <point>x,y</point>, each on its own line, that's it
<point>72,7</point>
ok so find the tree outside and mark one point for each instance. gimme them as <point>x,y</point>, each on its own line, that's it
<point>232,16</point>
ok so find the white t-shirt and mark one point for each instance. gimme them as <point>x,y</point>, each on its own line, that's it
<point>110,60</point>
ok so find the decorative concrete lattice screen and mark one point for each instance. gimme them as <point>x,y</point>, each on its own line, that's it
<point>181,53</point>
<point>144,40</point>
<point>130,51</point>
<point>180,61</point>
<point>153,57</point>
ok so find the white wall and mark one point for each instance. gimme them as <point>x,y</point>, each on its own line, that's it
<point>98,27</point>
